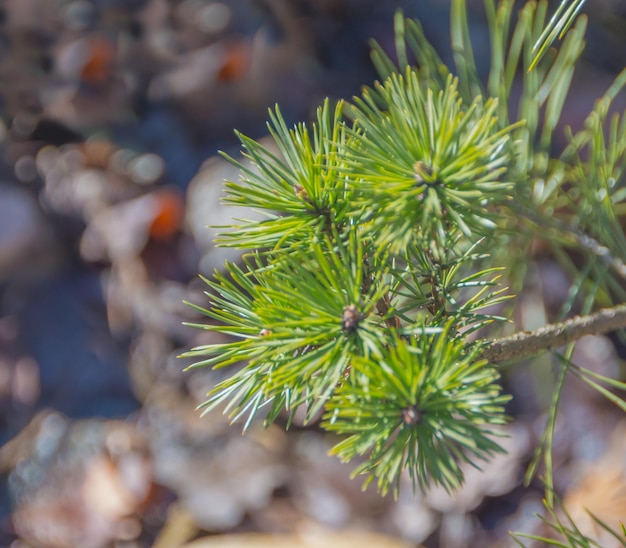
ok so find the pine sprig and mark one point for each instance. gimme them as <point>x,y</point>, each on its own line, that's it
<point>426,161</point>
<point>298,322</point>
<point>389,222</point>
<point>360,211</point>
<point>424,404</point>
<point>301,191</point>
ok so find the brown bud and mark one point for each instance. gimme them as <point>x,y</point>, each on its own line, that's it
<point>411,415</point>
<point>301,192</point>
<point>350,318</point>
<point>421,170</point>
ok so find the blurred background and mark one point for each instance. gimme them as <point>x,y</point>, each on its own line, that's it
<point>111,115</point>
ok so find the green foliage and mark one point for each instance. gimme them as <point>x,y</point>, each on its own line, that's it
<point>303,193</point>
<point>420,405</point>
<point>566,534</point>
<point>360,254</point>
<point>425,161</point>
<point>388,223</point>
<point>299,321</point>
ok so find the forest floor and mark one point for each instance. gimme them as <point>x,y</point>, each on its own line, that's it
<point>111,116</point>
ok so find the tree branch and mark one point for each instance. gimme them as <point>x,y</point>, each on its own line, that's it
<point>529,343</point>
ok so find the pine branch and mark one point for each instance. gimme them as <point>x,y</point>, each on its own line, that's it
<point>529,343</point>
<point>362,274</point>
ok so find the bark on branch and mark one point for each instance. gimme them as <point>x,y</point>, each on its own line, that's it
<point>528,343</point>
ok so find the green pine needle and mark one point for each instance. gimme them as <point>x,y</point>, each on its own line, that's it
<point>424,404</point>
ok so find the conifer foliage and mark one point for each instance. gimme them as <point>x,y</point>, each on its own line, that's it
<point>371,287</point>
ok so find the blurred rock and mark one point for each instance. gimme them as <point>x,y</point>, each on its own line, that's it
<point>412,517</point>
<point>313,538</point>
<point>205,212</point>
<point>208,17</point>
<point>78,484</point>
<point>120,232</point>
<point>218,486</point>
<point>200,70</point>
<point>598,495</point>
<point>325,493</point>
<point>499,475</point>
<point>146,169</point>
<point>82,179</point>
